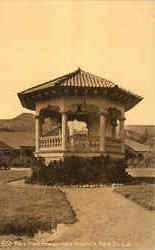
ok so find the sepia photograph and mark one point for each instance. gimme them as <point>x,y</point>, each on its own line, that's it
<point>77,124</point>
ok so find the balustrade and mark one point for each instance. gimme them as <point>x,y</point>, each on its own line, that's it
<point>80,142</point>
<point>94,143</point>
<point>53,142</point>
<point>113,144</point>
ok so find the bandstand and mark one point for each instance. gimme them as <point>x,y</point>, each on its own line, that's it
<point>79,96</point>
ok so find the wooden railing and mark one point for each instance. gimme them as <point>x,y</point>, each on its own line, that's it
<point>113,145</point>
<point>80,142</point>
<point>50,142</point>
<point>94,143</point>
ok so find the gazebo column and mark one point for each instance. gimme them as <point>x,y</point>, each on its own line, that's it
<point>37,131</point>
<point>114,131</point>
<point>41,121</point>
<point>121,128</point>
<point>64,129</point>
<point>121,131</point>
<point>102,131</point>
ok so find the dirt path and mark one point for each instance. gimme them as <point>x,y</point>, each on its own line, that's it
<point>108,219</point>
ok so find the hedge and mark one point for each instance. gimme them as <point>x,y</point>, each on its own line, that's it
<point>78,170</point>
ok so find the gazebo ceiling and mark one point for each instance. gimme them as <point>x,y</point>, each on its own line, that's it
<point>74,84</point>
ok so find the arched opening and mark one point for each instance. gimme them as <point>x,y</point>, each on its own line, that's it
<point>85,118</point>
<point>83,127</point>
<point>50,121</point>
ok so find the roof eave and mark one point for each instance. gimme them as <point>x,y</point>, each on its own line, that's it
<point>135,102</point>
<point>25,98</point>
<point>24,103</point>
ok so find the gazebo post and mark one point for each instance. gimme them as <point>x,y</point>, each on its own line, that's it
<point>121,127</point>
<point>113,131</point>
<point>37,131</point>
<point>121,131</point>
<point>102,130</point>
<point>64,129</point>
<point>40,127</point>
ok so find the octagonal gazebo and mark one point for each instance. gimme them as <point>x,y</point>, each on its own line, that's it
<point>79,96</point>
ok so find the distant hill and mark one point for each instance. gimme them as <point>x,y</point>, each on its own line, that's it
<point>141,133</point>
<point>140,129</point>
<point>24,122</point>
<point>18,131</point>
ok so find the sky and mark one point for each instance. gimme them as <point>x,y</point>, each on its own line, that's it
<point>41,39</point>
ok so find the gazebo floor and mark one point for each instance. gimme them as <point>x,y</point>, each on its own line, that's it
<point>50,155</point>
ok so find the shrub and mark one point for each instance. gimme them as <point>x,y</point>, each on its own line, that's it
<point>116,171</point>
<point>23,225</point>
<point>78,170</point>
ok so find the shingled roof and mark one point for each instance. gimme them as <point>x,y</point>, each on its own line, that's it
<point>77,79</point>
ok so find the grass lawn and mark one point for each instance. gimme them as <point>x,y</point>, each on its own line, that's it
<point>143,192</point>
<point>27,210</point>
<point>11,175</point>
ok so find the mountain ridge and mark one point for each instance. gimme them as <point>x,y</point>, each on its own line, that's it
<point>22,122</point>
<point>141,129</point>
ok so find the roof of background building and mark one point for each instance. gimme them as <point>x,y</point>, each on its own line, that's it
<point>4,146</point>
<point>138,147</point>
